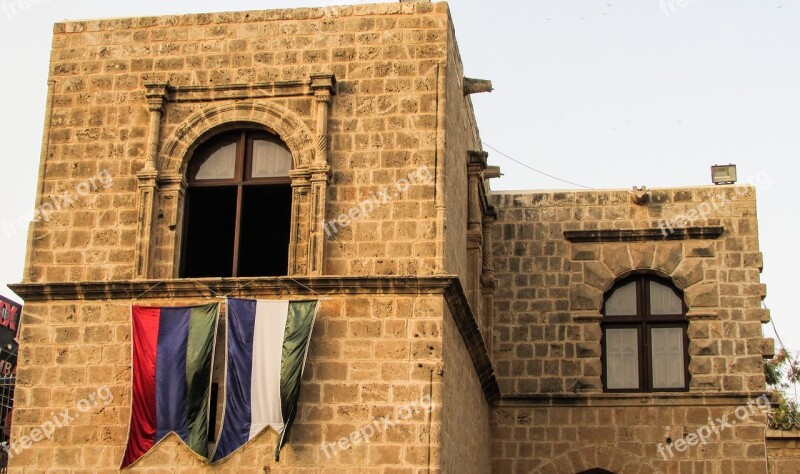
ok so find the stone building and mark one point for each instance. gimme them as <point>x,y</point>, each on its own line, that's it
<point>333,153</point>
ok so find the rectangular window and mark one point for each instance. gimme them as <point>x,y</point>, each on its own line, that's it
<point>622,367</point>
<point>666,354</point>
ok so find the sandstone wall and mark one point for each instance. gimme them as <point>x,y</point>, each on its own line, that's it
<point>370,357</point>
<point>547,345</point>
<point>551,290</point>
<point>460,137</point>
<point>382,127</point>
<point>627,438</point>
<point>783,450</point>
<point>466,442</point>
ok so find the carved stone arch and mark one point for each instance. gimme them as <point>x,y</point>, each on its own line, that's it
<point>618,260</point>
<point>643,271</point>
<point>199,126</point>
<point>196,129</point>
<point>594,457</point>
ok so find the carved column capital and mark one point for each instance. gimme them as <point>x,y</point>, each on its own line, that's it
<point>322,97</point>
<point>176,182</point>
<point>478,160</point>
<point>156,95</point>
<point>323,85</point>
<point>320,173</point>
<point>148,178</point>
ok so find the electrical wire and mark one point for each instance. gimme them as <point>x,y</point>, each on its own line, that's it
<point>532,168</point>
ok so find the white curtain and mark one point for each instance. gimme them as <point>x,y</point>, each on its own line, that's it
<point>667,356</point>
<point>663,300</point>
<point>622,364</point>
<point>622,301</point>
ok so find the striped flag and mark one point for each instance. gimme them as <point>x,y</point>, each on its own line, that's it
<point>267,343</point>
<point>172,361</point>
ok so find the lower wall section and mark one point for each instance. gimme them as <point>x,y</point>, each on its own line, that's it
<point>629,439</point>
<point>372,359</point>
<point>466,442</point>
<point>783,450</point>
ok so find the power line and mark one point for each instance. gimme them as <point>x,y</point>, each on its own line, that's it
<point>775,329</point>
<point>532,168</point>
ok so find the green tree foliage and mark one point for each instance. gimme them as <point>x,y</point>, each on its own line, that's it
<point>782,374</point>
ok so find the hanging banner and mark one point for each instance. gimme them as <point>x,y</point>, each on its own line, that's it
<point>10,313</point>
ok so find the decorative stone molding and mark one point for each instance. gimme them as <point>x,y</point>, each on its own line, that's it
<point>783,431</point>
<point>641,235</point>
<point>702,315</point>
<point>156,95</point>
<point>694,398</point>
<point>603,456</point>
<point>324,87</point>
<point>480,219</point>
<point>292,130</point>
<point>587,316</point>
<point>161,181</point>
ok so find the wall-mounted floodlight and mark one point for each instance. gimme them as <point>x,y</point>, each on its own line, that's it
<point>723,174</point>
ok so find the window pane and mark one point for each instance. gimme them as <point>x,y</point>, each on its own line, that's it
<point>663,300</point>
<point>622,358</point>
<point>622,301</point>
<point>264,230</point>
<point>667,355</point>
<point>216,160</point>
<point>270,160</point>
<point>211,214</point>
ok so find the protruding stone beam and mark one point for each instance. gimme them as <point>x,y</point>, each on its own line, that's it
<point>476,86</point>
<point>640,196</point>
<point>492,172</point>
<point>148,179</point>
<point>324,87</point>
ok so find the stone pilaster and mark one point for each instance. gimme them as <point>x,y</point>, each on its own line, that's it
<point>148,179</point>
<point>324,86</point>
<point>488,283</point>
<point>477,163</point>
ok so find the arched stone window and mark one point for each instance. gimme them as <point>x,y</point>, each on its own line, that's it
<point>645,346</point>
<point>237,214</point>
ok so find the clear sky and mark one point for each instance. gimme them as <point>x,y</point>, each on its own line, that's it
<point>606,94</point>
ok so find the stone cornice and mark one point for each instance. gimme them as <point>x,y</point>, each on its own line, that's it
<point>316,83</point>
<point>465,320</point>
<point>641,235</point>
<point>626,399</point>
<point>141,290</point>
<point>213,287</point>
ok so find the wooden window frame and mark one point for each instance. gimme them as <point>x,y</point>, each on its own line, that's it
<point>644,321</point>
<point>241,179</point>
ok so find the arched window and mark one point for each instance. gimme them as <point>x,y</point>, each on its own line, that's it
<point>645,347</point>
<point>238,207</point>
